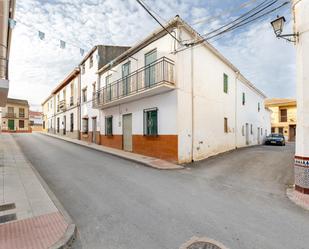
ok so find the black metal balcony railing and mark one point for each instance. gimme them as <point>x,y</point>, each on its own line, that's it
<point>21,115</point>
<point>9,115</point>
<point>159,72</point>
<point>61,105</point>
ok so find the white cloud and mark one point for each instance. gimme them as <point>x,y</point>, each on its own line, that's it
<point>38,66</point>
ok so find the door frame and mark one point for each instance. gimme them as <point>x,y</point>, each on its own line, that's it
<point>127,114</point>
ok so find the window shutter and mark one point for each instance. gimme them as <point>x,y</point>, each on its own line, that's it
<point>225,83</point>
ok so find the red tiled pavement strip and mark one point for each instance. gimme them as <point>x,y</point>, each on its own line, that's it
<point>298,198</point>
<point>39,232</point>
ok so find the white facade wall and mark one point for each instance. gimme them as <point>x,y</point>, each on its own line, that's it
<point>198,118</point>
<point>167,114</point>
<point>250,115</point>
<point>87,79</point>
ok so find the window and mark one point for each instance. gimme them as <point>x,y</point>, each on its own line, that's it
<point>281,130</point>
<point>151,122</point>
<point>225,83</point>
<point>251,129</point>
<point>71,122</point>
<point>83,68</point>
<point>85,125</point>
<point>58,125</point>
<point>243,130</point>
<point>21,112</point>
<point>283,115</point>
<point>261,132</point>
<point>273,129</point>
<point>259,107</point>
<point>243,98</point>
<point>91,61</point>
<point>93,87</point>
<point>226,125</point>
<point>109,125</point>
<point>21,124</point>
<point>265,132</point>
<point>84,94</point>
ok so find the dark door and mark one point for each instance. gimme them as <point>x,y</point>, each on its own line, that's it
<point>125,73</point>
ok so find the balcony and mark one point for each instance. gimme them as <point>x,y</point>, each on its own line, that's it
<point>155,78</point>
<point>21,115</point>
<point>61,106</point>
<point>9,115</point>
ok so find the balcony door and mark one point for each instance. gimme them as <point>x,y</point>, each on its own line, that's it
<point>125,73</point>
<point>150,70</point>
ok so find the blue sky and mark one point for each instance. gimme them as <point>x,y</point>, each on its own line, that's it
<point>37,66</point>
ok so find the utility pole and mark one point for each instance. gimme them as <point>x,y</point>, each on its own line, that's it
<point>300,11</point>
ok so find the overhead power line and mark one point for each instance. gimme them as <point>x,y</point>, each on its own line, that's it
<point>223,13</point>
<point>240,22</point>
<point>149,12</point>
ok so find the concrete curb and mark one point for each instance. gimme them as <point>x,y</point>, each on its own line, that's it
<point>112,153</point>
<point>70,234</point>
<point>296,198</point>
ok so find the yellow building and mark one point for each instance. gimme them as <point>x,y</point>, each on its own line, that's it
<point>15,116</point>
<point>283,118</point>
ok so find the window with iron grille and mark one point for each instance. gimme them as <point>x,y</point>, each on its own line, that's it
<point>151,122</point>
<point>225,83</point>
<point>243,98</point>
<point>226,125</point>
<point>85,125</point>
<point>109,125</point>
<point>84,94</point>
<point>71,122</point>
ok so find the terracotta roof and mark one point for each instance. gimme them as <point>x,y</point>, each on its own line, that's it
<point>34,113</point>
<point>66,81</point>
<point>18,101</point>
<point>280,101</point>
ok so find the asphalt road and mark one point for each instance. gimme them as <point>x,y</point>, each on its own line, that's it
<point>237,198</point>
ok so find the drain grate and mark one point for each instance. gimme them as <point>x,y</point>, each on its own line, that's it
<point>203,245</point>
<point>6,207</point>
<point>7,218</point>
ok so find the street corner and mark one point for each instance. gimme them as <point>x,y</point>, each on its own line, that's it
<point>202,243</point>
<point>298,198</point>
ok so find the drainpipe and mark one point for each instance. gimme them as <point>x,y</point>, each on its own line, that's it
<point>192,103</point>
<point>236,127</point>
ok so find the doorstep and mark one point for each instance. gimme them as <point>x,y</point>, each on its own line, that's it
<point>145,160</point>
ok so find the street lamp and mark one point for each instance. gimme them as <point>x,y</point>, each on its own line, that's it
<point>277,25</point>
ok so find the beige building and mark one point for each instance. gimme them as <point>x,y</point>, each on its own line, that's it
<point>15,116</point>
<point>283,118</point>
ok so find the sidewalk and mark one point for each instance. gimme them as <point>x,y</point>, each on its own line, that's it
<point>145,160</point>
<point>298,198</point>
<point>30,215</point>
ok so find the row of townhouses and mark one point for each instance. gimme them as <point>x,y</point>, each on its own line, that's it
<point>159,98</point>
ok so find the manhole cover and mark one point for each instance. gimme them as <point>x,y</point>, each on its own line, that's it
<point>202,243</point>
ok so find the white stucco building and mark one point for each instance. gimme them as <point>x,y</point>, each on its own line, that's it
<point>178,103</point>
<point>164,99</point>
<point>300,9</point>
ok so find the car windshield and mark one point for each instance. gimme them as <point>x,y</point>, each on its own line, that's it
<point>276,135</point>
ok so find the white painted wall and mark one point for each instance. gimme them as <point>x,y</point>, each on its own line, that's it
<point>87,80</point>
<point>167,114</point>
